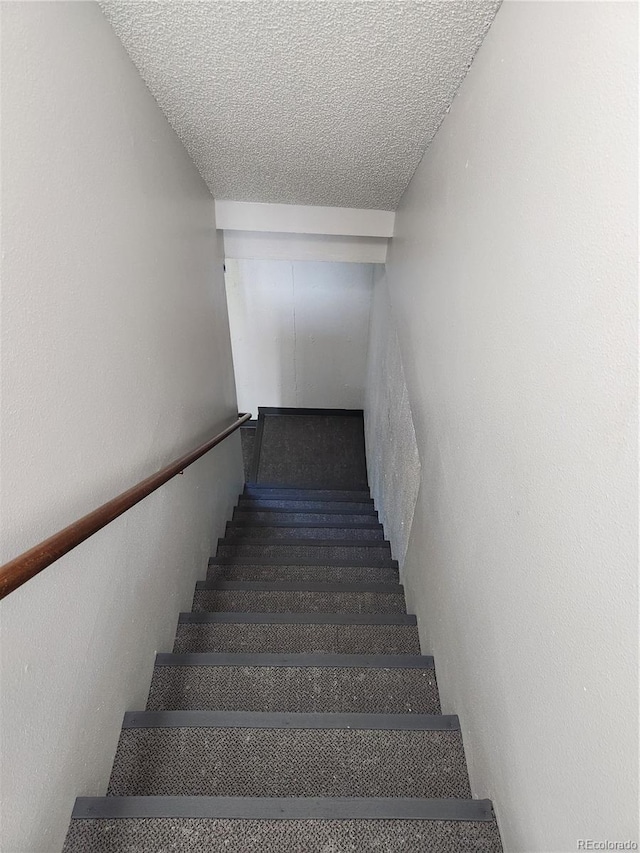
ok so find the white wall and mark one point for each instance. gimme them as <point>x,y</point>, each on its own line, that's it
<point>513,283</point>
<point>299,331</point>
<point>115,360</point>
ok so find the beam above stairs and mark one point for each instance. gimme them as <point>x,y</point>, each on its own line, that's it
<point>274,246</point>
<point>303,219</point>
<point>304,233</point>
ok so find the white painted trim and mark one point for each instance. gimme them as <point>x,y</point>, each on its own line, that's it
<point>303,219</point>
<point>304,247</point>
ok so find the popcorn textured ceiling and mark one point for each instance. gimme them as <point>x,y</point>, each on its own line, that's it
<point>323,103</point>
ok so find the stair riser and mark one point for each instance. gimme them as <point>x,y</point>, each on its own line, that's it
<point>326,574</point>
<point>296,689</point>
<point>337,639</point>
<point>244,533</point>
<point>353,554</point>
<point>306,494</point>
<point>237,762</point>
<point>305,517</point>
<point>250,504</point>
<point>286,601</point>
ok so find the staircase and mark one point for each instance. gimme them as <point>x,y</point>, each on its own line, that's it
<point>296,712</point>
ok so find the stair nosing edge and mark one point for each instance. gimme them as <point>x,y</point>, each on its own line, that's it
<point>290,720</point>
<point>301,561</point>
<point>329,660</point>
<point>296,498</point>
<point>326,511</point>
<point>310,543</point>
<point>302,618</point>
<point>299,586</point>
<point>291,808</point>
<point>317,525</point>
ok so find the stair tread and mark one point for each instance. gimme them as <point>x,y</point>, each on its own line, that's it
<point>300,550</point>
<point>305,586</point>
<point>281,533</point>
<point>302,573</point>
<point>262,560</point>
<point>276,598</point>
<point>297,637</point>
<point>310,761</point>
<point>261,829</point>
<point>255,684</point>
<point>364,516</point>
<point>259,489</point>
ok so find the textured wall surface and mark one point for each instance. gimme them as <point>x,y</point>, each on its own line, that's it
<point>393,461</point>
<point>328,103</point>
<point>513,281</point>
<point>299,331</point>
<point>115,359</point>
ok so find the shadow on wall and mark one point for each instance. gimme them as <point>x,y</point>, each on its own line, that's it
<point>299,332</point>
<point>393,461</point>
<point>320,377</point>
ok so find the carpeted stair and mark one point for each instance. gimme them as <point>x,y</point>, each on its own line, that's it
<point>296,713</point>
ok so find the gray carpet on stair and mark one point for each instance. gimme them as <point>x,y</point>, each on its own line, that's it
<point>236,762</point>
<point>182,835</point>
<point>248,439</point>
<point>288,601</point>
<point>284,504</point>
<point>325,451</point>
<point>327,574</point>
<point>300,638</point>
<point>282,688</point>
<point>305,517</point>
<point>354,554</point>
<point>222,759</point>
<point>245,533</point>
<point>335,495</point>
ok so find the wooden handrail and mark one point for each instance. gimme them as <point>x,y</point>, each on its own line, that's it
<point>21,569</point>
